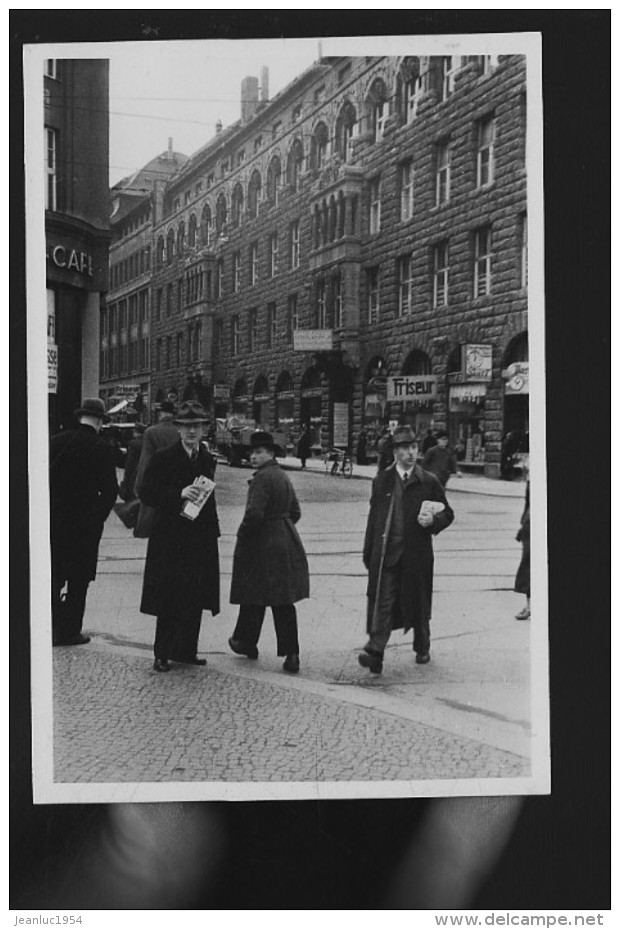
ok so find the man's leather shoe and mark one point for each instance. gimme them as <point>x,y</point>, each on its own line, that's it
<point>291,664</point>
<point>371,660</point>
<point>161,664</point>
<point>78,640</point>
<point>201,662</point>
<point>422,658</point>
<point>250,651</point>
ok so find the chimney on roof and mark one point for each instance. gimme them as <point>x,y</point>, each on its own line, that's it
<point>170,153</point>
<point>264,84</point>
<point>249,98</point>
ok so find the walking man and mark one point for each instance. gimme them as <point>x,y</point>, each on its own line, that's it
<point>181,574</point>
<point>440,459</point>
<point>269,564</point>
<point>398,551</point>
<point>83,490</point>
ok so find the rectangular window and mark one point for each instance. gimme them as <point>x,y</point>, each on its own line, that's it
<point>488,63</point>
<point>253,329</point>
<point>272,325</point>
<point>292,318</point>
<point>158,301</point>
<point>158,350</point>
<point>440,274</point>
<point>337,284</point>
<point>218,337</point>
<point>485,167</point>
<point>179,349</point>
<point>381,112</point>
<point>449,67</point>
<point>405,285</point>
<point>273,254</point>
<point>179,295</point>
<point>372,286</point>
<point>443,160</point>
<point>413,93</point>
<point>375,205</point>
<point>406,190</point>
<point>295,244</point>
<point>51,154</point>
<point>50,67</point>
<point>219,279</point>
<point>236,271</point>
<point>523,250</point>
<point>321,306</point>
<point>254,263</point>
<point>169,300</point>
<point>168,358</point>
<point>234,335</point>
<point>482,262</point>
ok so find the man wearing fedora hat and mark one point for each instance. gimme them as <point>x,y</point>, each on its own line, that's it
<point>398,551</point>
<point>181,574</point>
<point>269,563</point>
<point>83,490</point>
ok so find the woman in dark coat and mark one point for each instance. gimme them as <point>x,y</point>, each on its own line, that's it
<point>522,580</point>
<point>181,576</point>
<point>269,563</point>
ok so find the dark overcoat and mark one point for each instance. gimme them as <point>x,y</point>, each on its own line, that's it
<point>270,567</point>
<point>522,580</point>
<point>182,570</point>
<point>416,591</point>
<point>83,490</point>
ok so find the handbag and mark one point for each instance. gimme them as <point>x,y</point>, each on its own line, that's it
<point>147,518</point>
<point>128,512</point>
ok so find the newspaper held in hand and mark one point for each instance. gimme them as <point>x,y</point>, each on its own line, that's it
<point>191,509</point>
<point>431,507</point>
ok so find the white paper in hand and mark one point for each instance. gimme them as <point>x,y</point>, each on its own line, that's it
<point>431,507</point>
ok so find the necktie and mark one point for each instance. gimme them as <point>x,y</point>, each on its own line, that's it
<point>405,477</point>
<point>194,455</point>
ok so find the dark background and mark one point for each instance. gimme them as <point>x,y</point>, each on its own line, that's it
<point>340,854</point>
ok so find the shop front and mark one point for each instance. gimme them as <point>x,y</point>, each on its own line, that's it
<point>284,413</point>
<point>516,435</point>
<point>311,406</point>
<point>469,374</point>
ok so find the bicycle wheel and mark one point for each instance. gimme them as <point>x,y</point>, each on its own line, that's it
<point>347,467</point>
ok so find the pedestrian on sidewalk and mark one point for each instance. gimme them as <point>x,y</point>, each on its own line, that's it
<point>398,551</point>
<point>83,490</point>
<point>127,489</point>
<point>270,568</point>
<point>522,580</point>
<point>362,444</point>
<point>181,574</point>
<point>385,449</point>
<point>159,435</point>
<point>440,459</point>
<point>304,444</point>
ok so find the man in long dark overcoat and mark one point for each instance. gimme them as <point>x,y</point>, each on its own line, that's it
<point>181,575</point>
<point>398,551</point>
<point>83,490</point>
<point>269,564</point>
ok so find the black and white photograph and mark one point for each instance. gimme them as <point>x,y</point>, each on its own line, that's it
<point>304,319</point>
<point>293,317</point>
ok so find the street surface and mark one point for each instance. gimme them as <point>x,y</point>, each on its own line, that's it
<point>465,715</point>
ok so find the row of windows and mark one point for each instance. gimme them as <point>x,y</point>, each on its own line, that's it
<point>125,314</point>
<point>135,265</point>
<point>124,358</point>
<point>169,350</point>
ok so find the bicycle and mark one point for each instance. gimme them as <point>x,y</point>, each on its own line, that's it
<point>337,461</point>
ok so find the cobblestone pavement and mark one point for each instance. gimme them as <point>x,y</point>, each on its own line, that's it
<point>197,724</point>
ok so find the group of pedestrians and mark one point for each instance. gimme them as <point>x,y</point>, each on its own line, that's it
<point>175,484</point>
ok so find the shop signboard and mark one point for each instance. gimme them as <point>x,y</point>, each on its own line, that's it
<point>52,368</point>
<point>341,425</point>
<point>477,362</point>
<point>517,377</point>
<point>412,387</point>
<point>126,390</point>
<point>221,392</point>
<point>313,340</point>
<point>464,397</point>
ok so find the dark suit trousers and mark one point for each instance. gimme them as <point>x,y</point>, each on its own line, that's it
<point>68,614</point>
<point>250,623</point>
<point>177,636</point>
<point>388,608</point>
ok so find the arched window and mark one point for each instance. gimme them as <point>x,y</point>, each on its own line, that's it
<point>284,382</point>
<point>181,240</point>
<point>274,177</point>
<point>377,108</point>
<point>236,205</point>
<point>417,362</point>
<point>409,87</point>
<point>254,193</point>
<point>221,212</point>
<point>206,225</point>
<point>159,254</point>
<point>345,127</point>
<point>318,151</point>
<point>170,246</point>
<point>294,164</point>
<point>191,235</point>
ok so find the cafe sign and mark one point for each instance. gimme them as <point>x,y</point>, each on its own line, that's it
<point>412,387</point>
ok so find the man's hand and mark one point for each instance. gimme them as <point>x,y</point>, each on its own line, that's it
<point>425,520</point>
<point>191,492</point>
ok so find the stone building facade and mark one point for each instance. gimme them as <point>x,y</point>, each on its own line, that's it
<point>353,253</point>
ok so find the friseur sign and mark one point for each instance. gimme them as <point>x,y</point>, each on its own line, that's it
<point>412,387</point>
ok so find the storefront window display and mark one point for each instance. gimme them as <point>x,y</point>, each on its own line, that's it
<point>311,407</point>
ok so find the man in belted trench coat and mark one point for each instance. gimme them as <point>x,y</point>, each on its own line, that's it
<point>269,564</point>
<point>398,551</point>
<point>182,574</point>
<point>83,490</point>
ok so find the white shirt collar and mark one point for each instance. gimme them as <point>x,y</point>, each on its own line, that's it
<point>401,471</point>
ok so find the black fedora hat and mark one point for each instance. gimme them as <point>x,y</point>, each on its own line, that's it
<point>261,439</point>
<point>191,412</point>
<point>404,435</point>
<point>93,406</point>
